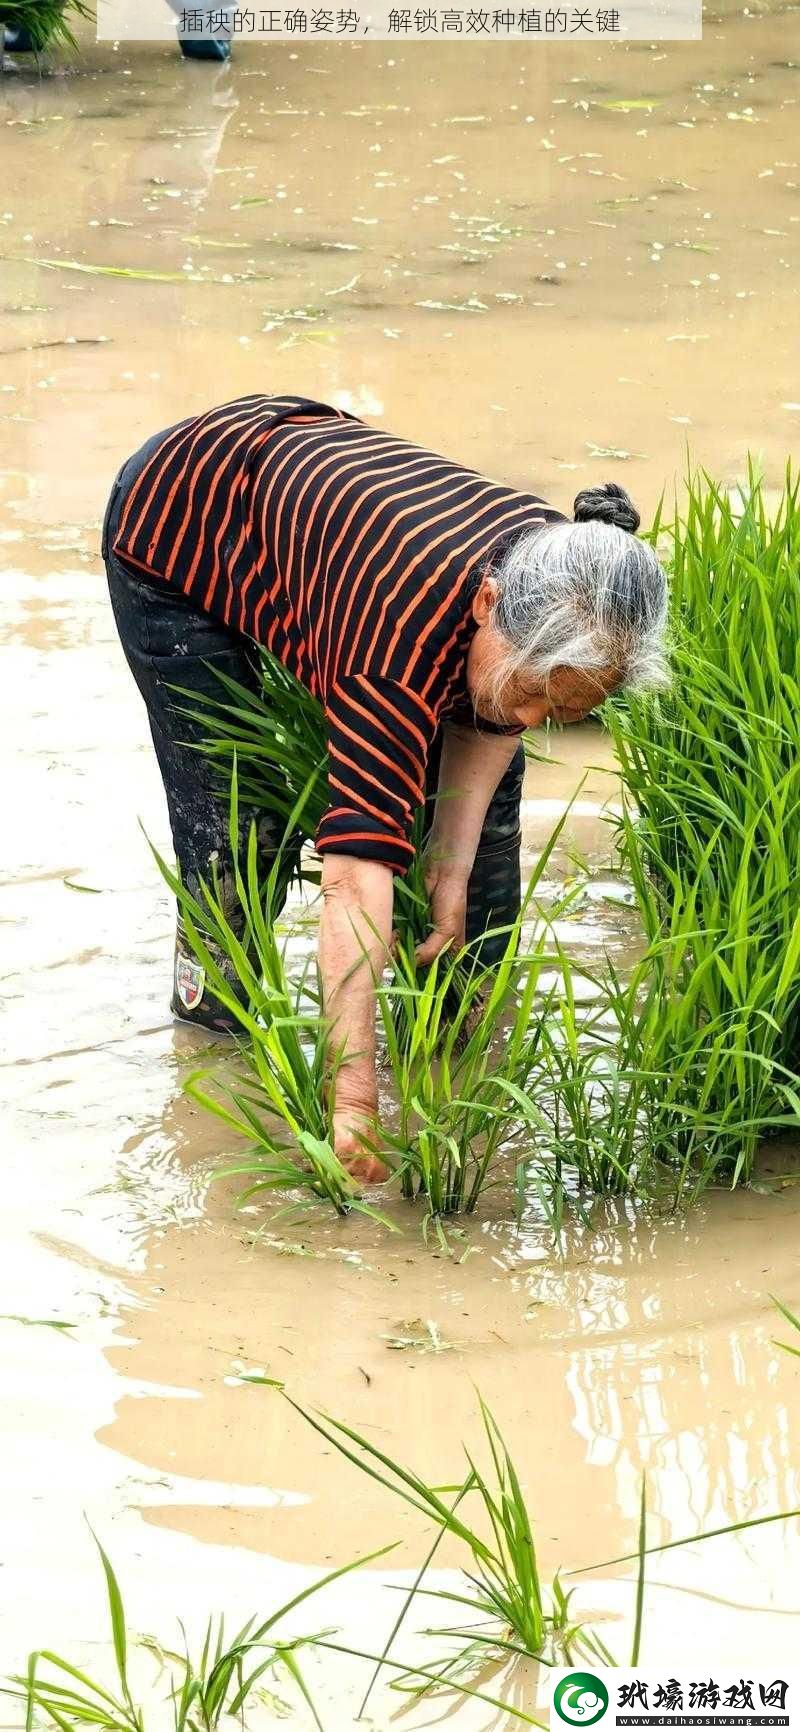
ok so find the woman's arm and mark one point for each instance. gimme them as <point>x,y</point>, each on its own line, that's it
<point>356,929</point>
<point>472,764</point>
<point>354,941</point>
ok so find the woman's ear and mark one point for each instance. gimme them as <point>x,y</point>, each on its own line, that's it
<point>484,600</point>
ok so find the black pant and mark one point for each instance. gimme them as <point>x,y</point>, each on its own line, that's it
<point>168,642</point>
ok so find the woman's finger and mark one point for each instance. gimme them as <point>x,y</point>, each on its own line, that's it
<point>433,945</point>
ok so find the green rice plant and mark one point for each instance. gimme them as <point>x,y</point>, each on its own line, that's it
<point>45,22</point>
<point>462,1044</point>
<point>287,1081</point>
<point>203,1692</point>
<point>790,1317</point>
<point>711,836</point>
<point>630,1089</point>
<point>508,1611</point>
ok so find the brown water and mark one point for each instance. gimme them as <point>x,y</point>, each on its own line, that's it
<point>475,251</point>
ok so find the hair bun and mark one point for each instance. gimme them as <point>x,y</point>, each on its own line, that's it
<point>608,503</point>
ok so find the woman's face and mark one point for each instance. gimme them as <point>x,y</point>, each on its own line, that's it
<point>571,693</point>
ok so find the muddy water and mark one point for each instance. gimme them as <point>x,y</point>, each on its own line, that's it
<point>518,274</point>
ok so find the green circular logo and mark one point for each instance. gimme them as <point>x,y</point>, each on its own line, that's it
<point>581,1699</point>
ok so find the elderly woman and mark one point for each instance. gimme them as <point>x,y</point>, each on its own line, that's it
<point>435,615</point>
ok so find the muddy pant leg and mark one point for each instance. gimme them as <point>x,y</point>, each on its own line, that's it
<point>494,893</point>
<point>168,643</point>
<point>494,890</point>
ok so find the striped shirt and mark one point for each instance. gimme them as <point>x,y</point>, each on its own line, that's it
<point>350,554</point>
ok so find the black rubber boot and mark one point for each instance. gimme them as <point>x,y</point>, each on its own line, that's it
<point>17,41</point>
<point>192,1001</point>
<point>204,48</point>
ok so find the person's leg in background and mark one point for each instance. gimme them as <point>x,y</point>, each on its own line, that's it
<point>168,643</point>
<point>195,47</point>
<point>494,891</point>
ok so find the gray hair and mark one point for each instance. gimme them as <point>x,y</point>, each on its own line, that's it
<point>585,595</point>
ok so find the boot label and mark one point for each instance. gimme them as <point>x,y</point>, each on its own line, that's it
<point>190,980</point>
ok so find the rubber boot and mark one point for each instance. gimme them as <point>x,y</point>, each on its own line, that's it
<point>192,1001</point>
<point>204,48</point>
<point>17,41</point>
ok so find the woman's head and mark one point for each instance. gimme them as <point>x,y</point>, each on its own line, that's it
<point>568,614</point>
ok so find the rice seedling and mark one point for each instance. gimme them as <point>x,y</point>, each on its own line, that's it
<point>217,1684</point>
<point>509,1615</point>
<point>671,1077</point>
<point>790,1317</point>
<point>45,23</point>
<point>462,1043</point>
<point>630,1089</point>
<point>464,1095</point>
<point>508,1612</point>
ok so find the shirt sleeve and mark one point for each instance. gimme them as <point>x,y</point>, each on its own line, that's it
<point>379,737</point>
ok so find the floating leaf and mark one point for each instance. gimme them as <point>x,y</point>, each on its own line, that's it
<point>36,1322</point>
<point>225,246</point>
<point>105,270</point>
<point>622,104</point>
<point>419,1336</point>
<point>612,451</point>
<point>473,305</point>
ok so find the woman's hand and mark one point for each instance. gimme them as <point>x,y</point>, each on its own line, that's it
<point>446,884</point>
<point>355,1142</point>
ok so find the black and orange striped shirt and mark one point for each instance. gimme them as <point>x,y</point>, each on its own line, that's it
<point>353,556</point>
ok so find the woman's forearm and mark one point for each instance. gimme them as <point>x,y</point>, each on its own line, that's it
<point>354,941</point>
<point>472,764</point>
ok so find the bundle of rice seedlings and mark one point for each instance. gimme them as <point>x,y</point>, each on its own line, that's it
<point>462,1043</point>
<point>712,837</point>
<point>45,23</point>
<point>630,1089</point>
